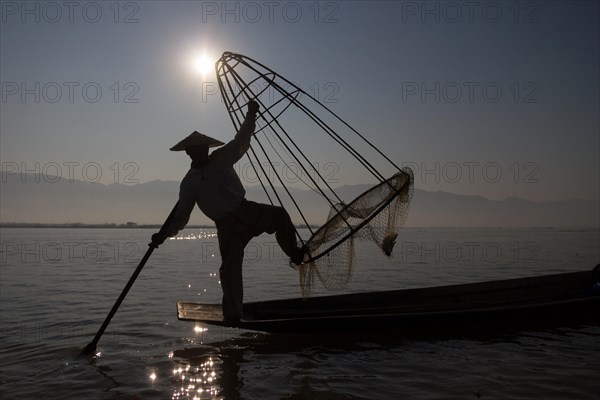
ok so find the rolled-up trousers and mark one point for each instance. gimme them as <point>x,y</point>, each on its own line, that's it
<point>234,232</point>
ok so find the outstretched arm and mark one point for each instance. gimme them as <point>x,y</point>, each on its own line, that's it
<point>187,199</point>
<point>234,150</point>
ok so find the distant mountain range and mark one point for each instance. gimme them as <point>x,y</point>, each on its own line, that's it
<point>57,200</point>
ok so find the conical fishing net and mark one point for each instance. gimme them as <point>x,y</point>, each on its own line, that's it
<point>292,128</point>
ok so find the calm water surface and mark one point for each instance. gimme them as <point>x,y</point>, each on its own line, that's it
<point>57,285</point>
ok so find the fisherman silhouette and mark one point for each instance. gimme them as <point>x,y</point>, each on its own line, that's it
<point>215,187</point>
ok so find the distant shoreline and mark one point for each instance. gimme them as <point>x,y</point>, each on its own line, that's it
<point>128,225</point>
<point>132,225</point>
<point>82,225</point>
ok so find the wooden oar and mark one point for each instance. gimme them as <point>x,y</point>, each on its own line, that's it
<point>91,347</point>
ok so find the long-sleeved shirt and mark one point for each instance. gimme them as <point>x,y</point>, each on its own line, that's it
<point>215,188</point>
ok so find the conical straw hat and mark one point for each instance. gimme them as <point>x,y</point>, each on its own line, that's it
<point>196,139</point>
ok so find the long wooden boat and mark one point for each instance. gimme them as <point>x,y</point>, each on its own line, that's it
<point>572,294</point>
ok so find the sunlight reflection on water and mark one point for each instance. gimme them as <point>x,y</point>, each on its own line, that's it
<point>195,236</point>
<point>195,381</point>
<point>50,308</point>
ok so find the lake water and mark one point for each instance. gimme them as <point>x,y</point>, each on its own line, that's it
<point>57,285</point>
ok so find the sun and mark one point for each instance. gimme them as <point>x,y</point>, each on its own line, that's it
<point>202,64</point>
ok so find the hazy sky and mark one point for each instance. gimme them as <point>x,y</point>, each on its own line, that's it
<point>497,99</point>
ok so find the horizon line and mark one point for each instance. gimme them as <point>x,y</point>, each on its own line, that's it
<point>133,225</point>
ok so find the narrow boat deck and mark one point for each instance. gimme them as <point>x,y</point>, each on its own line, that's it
<point>468,304</point>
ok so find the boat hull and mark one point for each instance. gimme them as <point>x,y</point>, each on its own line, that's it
<point>561,296</point>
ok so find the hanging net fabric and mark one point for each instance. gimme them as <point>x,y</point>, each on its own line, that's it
<point>292,123</point>
<point>374,215</point>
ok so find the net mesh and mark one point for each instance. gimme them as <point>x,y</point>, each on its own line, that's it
<point>376,215</point>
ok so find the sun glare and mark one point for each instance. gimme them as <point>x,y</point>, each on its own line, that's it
<point>203,64</point>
